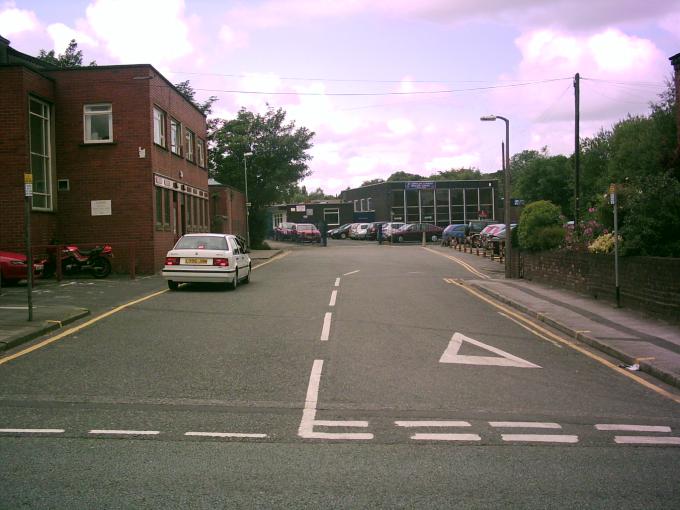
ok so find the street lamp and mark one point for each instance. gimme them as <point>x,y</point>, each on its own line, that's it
<point>245,180</point>
<point>506,193</point>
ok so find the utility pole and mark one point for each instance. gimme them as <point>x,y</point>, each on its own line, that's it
<point>577,153</point>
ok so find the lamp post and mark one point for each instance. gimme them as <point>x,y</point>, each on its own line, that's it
<point>506,193</point>
<point>246,155</point>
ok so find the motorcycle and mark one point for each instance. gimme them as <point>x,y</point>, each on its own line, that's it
<point>74,260</point>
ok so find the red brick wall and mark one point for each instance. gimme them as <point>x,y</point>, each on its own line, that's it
<point>227,211</point>
<point>651,284</point>
<point>17,84</point>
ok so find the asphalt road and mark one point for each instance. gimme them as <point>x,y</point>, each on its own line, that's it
<point>352,376</point>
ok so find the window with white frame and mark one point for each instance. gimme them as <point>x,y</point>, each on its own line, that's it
<point>356,206</point>
<point>41,153</point>
<point>200,153</point>
<point>331,217</point>
<point>175,137</point>
<point>369,204</point>
<point>363,204</point>
<point>159,120</point>
<point>98,123</point>
<point>190,142</point>
<point>277,219</point>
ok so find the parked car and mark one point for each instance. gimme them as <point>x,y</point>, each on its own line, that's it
<point>372,230</point>
<point>454,234</point>
<point>218,258</point>
<point>489,231</point>
<point>358,231</point>
<point>496,241</point>
<point>414,232</point>
<point>306,233</point>
<point>476,226</point>
<point>341,232</point>
<point>13,267</point>
<point>284,231</point>
<point>390,227</point>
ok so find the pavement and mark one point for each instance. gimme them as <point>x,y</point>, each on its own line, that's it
<point>630,336</point>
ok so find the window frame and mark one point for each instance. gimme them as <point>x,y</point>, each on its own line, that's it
<point>200,152</point>
<point>87,123</point>
<point>190,142</point>
<point>175,136</point>
<point>160,134</point>
<point>45,156</point>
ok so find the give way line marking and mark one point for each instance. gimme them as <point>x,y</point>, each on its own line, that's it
<point>503,359</point>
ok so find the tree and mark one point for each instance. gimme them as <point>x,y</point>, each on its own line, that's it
<point>185,88</point>
<point>372,181</point>
<point>540,227</point>
<point>460,174</point>
<point>72,57</point>
<point>278,162</point>
<point>546,178</point>
<point>405,176</point>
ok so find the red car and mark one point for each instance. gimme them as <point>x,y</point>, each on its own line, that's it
<point>13,267</point>
<point>284,231</point>
<point>307,233</point>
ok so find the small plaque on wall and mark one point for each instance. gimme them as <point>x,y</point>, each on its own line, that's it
<point>101,207</point>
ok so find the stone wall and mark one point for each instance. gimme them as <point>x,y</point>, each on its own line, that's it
<point>649,284</point>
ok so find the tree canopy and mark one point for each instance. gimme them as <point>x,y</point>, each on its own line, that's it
<point>185,88</point>
<point>278,161</point>
<point>72,57</point>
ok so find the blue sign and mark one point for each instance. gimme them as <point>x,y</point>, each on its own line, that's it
<point>516,202</point>
<point>420,185</point>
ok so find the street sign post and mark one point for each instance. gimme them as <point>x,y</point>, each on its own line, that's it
<point>28,198</point>
<point>613,201</point>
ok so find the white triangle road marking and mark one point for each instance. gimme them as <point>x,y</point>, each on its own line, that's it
<point>503,359</point>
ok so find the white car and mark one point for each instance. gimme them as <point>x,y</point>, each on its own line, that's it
<point>358,231</point>
<point>389,228</point>
<point>218,258</point>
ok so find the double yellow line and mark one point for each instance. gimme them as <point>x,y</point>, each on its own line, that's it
<point>461,263</point>
<point>547,334</point>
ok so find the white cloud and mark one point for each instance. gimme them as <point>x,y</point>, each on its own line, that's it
<point>401,127</point>
<point>155,31</point>
<point>448,162</point>
<point>15,21</point>
<point>671,23</point>
<point>62,35</point>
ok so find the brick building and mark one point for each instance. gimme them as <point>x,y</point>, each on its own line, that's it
<point>227,209</point>
<point>117,155</point>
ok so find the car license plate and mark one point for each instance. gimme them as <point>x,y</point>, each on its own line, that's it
<point>195,261</point>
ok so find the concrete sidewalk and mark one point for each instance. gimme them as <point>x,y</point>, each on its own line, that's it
<point>57,304</point>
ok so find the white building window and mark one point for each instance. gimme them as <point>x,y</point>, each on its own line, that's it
<point>200,153</point>
<point>41,154</point>
<point>159,127</point>
<point>190,142</point>
<point>175,137</point>
<point>369,204</point>
<point>331,217</point>
<point>356,206</point>
<point>98,123</point>
<point>363,204</point>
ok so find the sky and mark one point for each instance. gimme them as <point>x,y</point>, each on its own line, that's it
<point>386,85</point>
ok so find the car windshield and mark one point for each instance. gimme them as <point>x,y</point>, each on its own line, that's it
<point>306,228</point>
<point>201,243</point>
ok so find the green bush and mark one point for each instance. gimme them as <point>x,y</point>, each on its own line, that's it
<point>540,227</point>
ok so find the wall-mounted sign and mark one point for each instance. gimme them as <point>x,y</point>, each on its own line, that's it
<point>516,202</point>
<point>310,212</point>
<point>300,208</point>
<point>101,207</point>
<point>420,185</point>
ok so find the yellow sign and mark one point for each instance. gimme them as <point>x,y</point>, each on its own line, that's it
<point>612,188</point>
<point>28,178</point>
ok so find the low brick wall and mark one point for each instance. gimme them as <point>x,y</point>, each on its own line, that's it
<point>650,284</point>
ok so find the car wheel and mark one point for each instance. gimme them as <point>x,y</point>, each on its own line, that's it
<point>173,285</point>
<point>343,236</point>
<point>247,278</point>
<point>234,283</point>
<point>400,239</point>
<point>434,239</point>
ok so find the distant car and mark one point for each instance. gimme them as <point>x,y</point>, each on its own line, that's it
<point>13,267</point>
<point>389,227</point>
<point>454,234</point>
<point>496,240</point>
<point>476,226</point>
<point>341,232</point>
<point>358,231</point>
<point>306,233</point>
<point>372,230</point>
<point>210,258</point>
<point>414,232</point>
<point>284,231</point>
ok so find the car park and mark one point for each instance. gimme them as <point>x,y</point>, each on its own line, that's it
<point>372,230</point>
<point>13,267</point>
<point>390,227</point>
<point>284,231</point>
<point>454,234</point>
<point>306,233</point>
<point>358,231</point>
<point>414,232</point>
<point>208,258</point>
<point>341,232</point>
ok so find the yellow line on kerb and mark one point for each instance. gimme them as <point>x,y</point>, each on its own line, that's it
<point>75,329</point>
<point>675,398</point>
<point>461,263</point>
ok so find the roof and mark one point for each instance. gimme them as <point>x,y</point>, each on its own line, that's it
<point>675,60</point>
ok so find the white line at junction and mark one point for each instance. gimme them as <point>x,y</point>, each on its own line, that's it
<point>337,282</point>
<point>538,438</point>
<point>226,434</point>
<point>326,329</point>
<point>32,431</point>
<point>439,423</point>
<point>126,432</point>
<point>646,440</point>
<point>632,428</point>
<point>351,272</point>
<point>524,425</point>
<point>446,437</point>
<point>334,296</point>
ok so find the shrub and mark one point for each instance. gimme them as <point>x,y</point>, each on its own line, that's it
<point>540,227</point>
<point>603,244</point>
